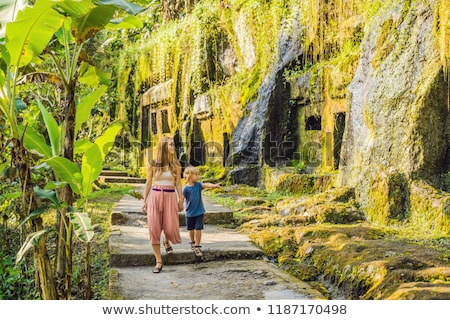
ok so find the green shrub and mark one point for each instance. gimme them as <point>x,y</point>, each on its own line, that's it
<point>16,282</point>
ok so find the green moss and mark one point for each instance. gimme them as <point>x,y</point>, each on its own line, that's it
<point>269,241</point>
<point>386,41</point>
<point>430,209</point>
<point>388,198</point>
<point>299,269</point>
<point>212,172</point>
<point>288,181</point>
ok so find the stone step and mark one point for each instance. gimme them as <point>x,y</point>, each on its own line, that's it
<point>114,173</point>
<point>214,280</point>
<point>129,242</point>
<point>129,246</point>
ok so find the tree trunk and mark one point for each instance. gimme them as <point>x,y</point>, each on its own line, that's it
<point>42,259</point>
<point>65,240</point>
<point>44,279</point>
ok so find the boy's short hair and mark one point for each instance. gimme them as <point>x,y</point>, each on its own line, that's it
<point>189,171</point>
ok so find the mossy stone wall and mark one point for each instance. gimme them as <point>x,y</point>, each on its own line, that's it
<point>397,126</point>
<point>430,209</point>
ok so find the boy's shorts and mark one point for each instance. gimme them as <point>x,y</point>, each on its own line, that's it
<point>195,223</point>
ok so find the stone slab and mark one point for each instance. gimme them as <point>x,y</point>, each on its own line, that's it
<point>217,280</point>
<point>130,246</point>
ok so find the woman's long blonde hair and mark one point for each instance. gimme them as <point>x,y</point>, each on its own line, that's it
<point>164,159</point>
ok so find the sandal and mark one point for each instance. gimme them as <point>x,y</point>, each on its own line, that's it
<point>192,243</point>
<point>158,267</point>
<point>168,247</point>
<point>198,251</point>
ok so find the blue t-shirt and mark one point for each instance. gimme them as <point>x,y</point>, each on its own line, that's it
<point>193,200</point>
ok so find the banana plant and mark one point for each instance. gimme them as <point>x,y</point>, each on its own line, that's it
<point>32,33</point>
<point>25,38</point>
<point>81,180</point>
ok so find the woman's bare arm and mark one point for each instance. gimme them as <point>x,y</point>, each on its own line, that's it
<point>148,185</point>
<point>179,191</point>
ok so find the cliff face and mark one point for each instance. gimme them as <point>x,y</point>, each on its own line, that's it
<point>269,133</point>
<point>357,90</point>
<point>398,125</point>
<point>398,101</point>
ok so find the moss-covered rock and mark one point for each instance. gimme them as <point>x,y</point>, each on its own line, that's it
<point>334,206</point>
<point>299,269</point>
<point>398,115</point>
<point>321,239</point>
<point>288,181</point>
<point>387,198</point>
<point>251,201</point>
<point>421,291</point>
<point>430,208</point>
<point>363,262</point>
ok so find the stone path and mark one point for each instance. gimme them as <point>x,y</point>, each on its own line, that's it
<point>231,267</point>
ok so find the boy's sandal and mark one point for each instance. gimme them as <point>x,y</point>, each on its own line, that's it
<point>158,267</point>
<point>192,243</point>
<point>168,247</point>
<point>198,251</point>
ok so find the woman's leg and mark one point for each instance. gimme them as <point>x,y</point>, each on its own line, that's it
<point>159,264</point>
<point>171,224</point>
<point>154,220</point>
<point>157,251</point>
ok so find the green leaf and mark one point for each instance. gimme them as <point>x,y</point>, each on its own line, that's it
<point>36,213</point>
<point>31,240</point>
<point>85,106</point>
<point>30,33</point>
<point>19,105</point>
<point>3,166</point>
<point>130,8</point>
<point>9,172</point>
<point>75,8</point>
<point>125,23</point>
<point>99,193</point>
<point>13,195</point>
<point>48,195</point>
<point>82,226</point>
<point>35,142</point>
<point>82,145</point>
<point>106,141</point>
<point>91,167</point>
<point>52,129</point>
<point>65,31</point>
<point>67,171</point>
<point>93,76</point>
<point>51,185</point>
<point>88,25</point>
<point>2,78</point>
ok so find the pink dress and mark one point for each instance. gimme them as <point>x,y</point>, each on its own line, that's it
<point>162,210</point>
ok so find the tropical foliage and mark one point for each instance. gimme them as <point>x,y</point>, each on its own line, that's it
<point>51,163</point>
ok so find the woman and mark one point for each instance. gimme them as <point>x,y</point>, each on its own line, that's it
<point>163,199</point>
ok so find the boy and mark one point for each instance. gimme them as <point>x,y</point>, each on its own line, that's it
<point>195,211</point>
